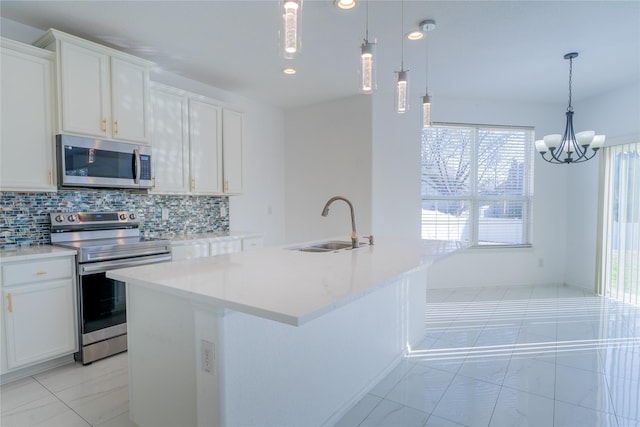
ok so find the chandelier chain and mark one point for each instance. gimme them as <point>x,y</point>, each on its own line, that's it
<point>570,107</point>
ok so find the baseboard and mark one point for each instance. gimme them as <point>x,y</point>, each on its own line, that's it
<point>35,369</point>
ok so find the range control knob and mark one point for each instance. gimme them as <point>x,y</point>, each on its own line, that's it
<point>71,218</point>
<point>132,215</point>
<point>123,216</point>
<point>59,218</point>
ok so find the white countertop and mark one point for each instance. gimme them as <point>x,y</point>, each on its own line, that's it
<point>24,253</point>
<point>285,285</point>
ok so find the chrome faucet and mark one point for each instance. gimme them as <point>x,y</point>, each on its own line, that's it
<point>354,235</point>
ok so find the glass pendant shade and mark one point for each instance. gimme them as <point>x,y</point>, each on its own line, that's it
<point>366,67</point>
<point>290,27</point>
<point>401,92</point>
<point>426,111</point>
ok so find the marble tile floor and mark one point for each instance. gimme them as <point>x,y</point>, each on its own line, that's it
<point>526,356</point>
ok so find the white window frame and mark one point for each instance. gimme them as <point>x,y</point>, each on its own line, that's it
<point>526,199</point>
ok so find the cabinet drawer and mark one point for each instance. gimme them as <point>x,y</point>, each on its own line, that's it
<point>252,243</point>
<point>30,272</point>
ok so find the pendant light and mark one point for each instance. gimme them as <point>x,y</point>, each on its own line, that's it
<point>367,63</point>
<point>426,26</point>
<point>290,27</point>
<point>573,146</point>
<point>401,101</point>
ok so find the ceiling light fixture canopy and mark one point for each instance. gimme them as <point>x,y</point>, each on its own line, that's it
<point>575,147</point>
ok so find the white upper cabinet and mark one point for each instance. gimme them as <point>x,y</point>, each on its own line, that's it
<point>232,137</point>
<point>129,100</point>
<point>206,147</point>
<point>101,92</point>
<point>170,155</point>
<point>197,145</point>
<point>26,121</point>
<point>84,79</point>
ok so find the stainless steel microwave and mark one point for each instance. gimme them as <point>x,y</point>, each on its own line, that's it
<point>87,162</point>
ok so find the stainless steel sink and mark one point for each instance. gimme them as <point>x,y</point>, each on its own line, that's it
<point>332,245</point>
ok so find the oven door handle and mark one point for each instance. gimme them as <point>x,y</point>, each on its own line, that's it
<point>101,267</point>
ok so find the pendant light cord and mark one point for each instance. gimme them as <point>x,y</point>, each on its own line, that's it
<point>426,81</point>
<point>366,30</point>
<point>402,35</point>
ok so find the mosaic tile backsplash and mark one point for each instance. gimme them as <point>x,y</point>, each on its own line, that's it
<point>25,216</point>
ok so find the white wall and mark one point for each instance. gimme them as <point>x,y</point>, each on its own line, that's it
<point>328,153</point>
<point>617,115</point>
<point>261,207</point>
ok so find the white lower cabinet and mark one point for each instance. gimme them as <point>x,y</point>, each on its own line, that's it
<point>212,246</point>
<point>224,246</point>
<point>189,250</point>
<point>39,311</point>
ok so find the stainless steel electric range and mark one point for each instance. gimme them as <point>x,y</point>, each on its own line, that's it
<point>104,241</point>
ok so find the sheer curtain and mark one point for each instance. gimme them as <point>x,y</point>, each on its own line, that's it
<point>620,249</point>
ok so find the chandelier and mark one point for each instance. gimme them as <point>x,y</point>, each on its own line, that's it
<point>573,147</point>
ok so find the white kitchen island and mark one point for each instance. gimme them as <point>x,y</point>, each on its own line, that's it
<point>272,337</point>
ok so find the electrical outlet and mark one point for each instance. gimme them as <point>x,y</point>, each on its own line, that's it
<point>207,356</point>
<point>540,262</point>
<point>165,214</point>
<point>223,211</point>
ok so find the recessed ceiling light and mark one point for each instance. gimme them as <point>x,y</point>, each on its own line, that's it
<point>345,4</point>
<point>289,70</point>
<point>415,35</point>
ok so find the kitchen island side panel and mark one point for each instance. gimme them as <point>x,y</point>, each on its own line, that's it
<point>162,374</point>
<point>311,375</point>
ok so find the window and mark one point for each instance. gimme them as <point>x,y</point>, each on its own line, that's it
<point>477,184</point>
<point>620,250</point>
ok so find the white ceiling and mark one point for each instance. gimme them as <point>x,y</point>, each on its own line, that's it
<point>480,49</point>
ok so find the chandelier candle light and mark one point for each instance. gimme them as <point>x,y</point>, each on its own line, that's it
<point>290,20</point>
<point>573,146</point>
<point>367,65</point>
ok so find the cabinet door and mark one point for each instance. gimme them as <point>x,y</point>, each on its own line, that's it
<point>39,321</point>
<point>26,127</point>
<point>129,100</point>
<point>224,246</point>
<point>232,137</point>
<point>205,147</point>
<point>85,90</point>
<point>170,145</point>
<point>189,251</point>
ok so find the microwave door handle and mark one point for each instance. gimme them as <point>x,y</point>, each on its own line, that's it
<point>136,166</point>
